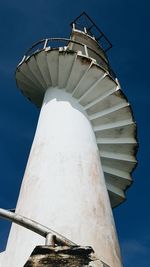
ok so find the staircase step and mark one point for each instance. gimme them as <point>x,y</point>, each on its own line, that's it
<point>93,106</point>
<point>116,161</point>
<point>115,190</point>
<point>43,67</point>
<point>125,149</point>
<point>53,65</point>
<point>119,182</point>
<point>112,154</point>
<point>27,73</point>
<point>80,66</point>
<point>113,125</point>
<point>104,86</point>
<point>109,141</point>
<point>66,60</point>
<point>117,173</point>
<point>121,115</point>
<point>116,196</point>
<point>92,76</point>
<point>118,132</point>
<point>111,100</point>
<point>30,93</point>
<point>23,78</point>
<point>33,66</point>
<point>108,111</point>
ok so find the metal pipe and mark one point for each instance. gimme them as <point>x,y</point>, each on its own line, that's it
<point>57,40</point>
<point>35,227</point>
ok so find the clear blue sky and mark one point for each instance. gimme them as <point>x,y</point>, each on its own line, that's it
<point>126,23</point>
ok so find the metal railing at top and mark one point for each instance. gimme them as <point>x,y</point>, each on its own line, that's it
<point>45,43</point>
<point>84,23</point>
<point>51,236</point>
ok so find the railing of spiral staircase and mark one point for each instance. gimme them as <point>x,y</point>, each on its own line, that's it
<point>45,43</point>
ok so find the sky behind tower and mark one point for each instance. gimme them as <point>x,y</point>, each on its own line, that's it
<point>126,24</point>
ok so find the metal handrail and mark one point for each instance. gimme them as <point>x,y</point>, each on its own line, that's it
<point>45,45</point>
<point>52,237</point>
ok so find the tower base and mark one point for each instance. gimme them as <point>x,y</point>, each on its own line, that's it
<point>76,256</point>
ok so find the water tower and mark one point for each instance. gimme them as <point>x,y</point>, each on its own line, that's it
<point>84,147</point>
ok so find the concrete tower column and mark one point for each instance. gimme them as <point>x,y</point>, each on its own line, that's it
<point>63,186</point>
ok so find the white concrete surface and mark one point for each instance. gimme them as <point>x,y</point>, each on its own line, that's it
<point>2,254</point>
<point>63,186</point>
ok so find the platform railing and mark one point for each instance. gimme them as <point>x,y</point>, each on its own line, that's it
<point>66,44</point>
<point>45,43</point>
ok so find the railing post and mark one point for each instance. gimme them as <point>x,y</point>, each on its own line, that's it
<point>86,51</point>
<point>45,44</point>
<point>50,240</point>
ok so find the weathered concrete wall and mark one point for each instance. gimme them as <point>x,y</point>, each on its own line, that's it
<point>46,256</point>
<point>64,187</point>
<point>2,255</point>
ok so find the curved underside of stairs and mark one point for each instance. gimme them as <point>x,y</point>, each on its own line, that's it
<point>101,98</point>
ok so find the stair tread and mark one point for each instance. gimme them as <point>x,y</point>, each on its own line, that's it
<point>123,131</point>
<point>113,125</point>
<point>92,76</point>
<point>43,66</point>
<point>34,96</point>
<point>53,63</point>
<point>121,164</point>
<point>119,182</point>
<point>109,140</point>
<point>28,73</point>
<point>115,199</point>
<point>115,190</point>
<point>21,77</point>
<point>108,111</point>
<point>118,115</point>
<point>97,102</point>
<point>36,71</point>
<point>80,66</point>
<point>116,172</point>
<point>103,86</point>
<point>66,60</point>
<point>111,101</point>
<point>119,156</point>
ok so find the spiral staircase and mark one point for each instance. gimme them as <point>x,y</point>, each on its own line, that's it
<point>84,72</point>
